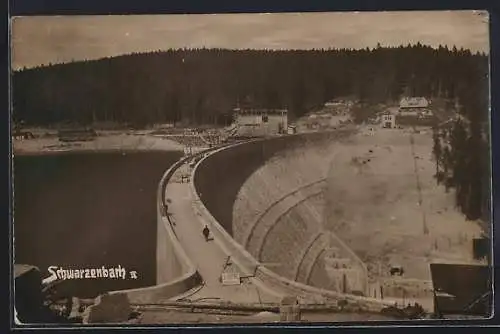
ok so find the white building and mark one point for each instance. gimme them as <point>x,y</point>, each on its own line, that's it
<point>388,120</point>
<point>262,122</point>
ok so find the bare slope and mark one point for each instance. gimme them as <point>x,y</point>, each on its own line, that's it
<point>384,202</point>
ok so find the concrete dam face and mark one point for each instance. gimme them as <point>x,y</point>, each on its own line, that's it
<point>88,210</point>
<point>339,210</point>
<point>269,195</point>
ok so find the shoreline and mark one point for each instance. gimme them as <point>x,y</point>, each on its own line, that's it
<point>103,143</point>
<point>88,150</point>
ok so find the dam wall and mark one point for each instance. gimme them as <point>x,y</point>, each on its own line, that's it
<point>276,207</point>
<point>224,173</point>
<point>217,183</point>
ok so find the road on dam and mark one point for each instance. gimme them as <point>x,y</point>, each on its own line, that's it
<point>207,256</point>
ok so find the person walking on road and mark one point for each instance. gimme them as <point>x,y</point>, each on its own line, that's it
<point>206,232</point>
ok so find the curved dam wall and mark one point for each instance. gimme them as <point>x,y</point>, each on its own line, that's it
<point>269,196</point>
<point>220,186</point>
<point>223,174</point>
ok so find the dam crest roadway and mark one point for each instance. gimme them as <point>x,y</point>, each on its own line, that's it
<point>207,256</point>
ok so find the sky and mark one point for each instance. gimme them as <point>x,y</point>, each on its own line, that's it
<point>41,40</point>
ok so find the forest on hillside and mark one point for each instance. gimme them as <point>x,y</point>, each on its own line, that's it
<point>198,85</point>
<point>462,156</point>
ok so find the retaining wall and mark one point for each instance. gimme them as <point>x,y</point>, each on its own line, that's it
<point>407,288</point>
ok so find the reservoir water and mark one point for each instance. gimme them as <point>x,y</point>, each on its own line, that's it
<point>89,210</point>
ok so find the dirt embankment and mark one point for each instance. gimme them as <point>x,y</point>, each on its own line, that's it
<point>383,201</point>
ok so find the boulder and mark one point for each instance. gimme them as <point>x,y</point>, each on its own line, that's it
<point>109,308</point>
